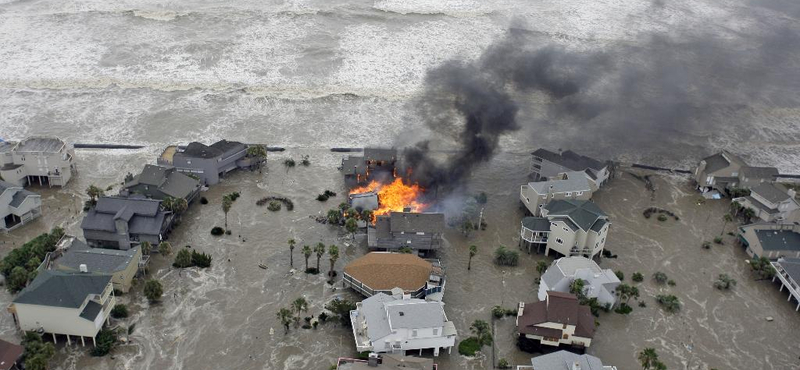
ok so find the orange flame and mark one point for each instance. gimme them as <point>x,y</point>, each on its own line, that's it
<point>393,197</point>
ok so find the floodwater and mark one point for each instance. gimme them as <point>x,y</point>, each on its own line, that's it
<point>225,317</point>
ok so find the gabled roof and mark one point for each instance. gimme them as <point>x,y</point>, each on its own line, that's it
<point>384,271</point>
<point>569,159</point>
<point>561,308</point>
<point>563,360</point>
<point>143,215</point>
<point>60,289</point>
<point>375,315</point>
<point>583,212</point>
<point>10,353</point>
<point>771,192</point>
<point>411,222</point>
<point>415,314</point>
<point>536,223</point>
<point>569,266</point>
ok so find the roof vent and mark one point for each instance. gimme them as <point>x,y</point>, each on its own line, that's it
<point>83,268</point>
<point>402,313</point>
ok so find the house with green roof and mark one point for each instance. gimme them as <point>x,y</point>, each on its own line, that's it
<point>73,254</point>
<point>63,303</point>
<point>567,226</point>
<point>770,240</point>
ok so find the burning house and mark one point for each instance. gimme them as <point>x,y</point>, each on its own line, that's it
<point>376,164</point>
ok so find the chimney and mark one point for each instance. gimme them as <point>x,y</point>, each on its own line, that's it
<point>83,268</point>
<point>372,360</point>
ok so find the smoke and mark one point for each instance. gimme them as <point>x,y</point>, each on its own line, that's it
<point>639,96</point>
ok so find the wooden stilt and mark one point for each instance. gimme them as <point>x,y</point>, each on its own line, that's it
<point>83,342</point>
<point>69,342</point>
<point>94,341</point>
<point>54,338</point>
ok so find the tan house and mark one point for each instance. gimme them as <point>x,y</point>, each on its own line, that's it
<point>381,272</point>
<point>71,254</point>
<point>60,303</point>
<point>569,227</point>
<point>557,321</point>
<point>770,240</point>
<point>568,185</point>
<point>772,203</point>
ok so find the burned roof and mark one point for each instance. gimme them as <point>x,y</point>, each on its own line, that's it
<point>384,271</point>
<point>569,159</point>
<point>771,192</point>
<point>411,222</point>
<point>60,289</point>
<point>584,213</point>
<point>561,308</point>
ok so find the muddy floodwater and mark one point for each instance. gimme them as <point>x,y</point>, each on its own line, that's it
<point>225,317</point>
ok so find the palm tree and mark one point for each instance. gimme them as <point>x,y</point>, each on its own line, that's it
<point>736,207</point>
<point>146,247</point>
<point>334,216</point>
<point>320,251</point>
<point>648,358</point>
<point>352,226</point>
<point>307,253</point>
<point>94,192</point>
<point>727,218</point>
<point>179,205</point>
<point>366,215</point>
<point>299,305</point>
<point>749,214</point>
<point>291,252</point>
<point>164,248</point>
<point>167,203</point>
<point>473,250</point>
<point>333,252</point>
<point>226,206</point>
<point>541,267</point>
<point>286,318</point>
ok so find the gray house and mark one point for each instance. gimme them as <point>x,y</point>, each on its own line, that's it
<point>565,360</point>
<point>548,165</point>
<point>208,162</point>
<point>420,232</point>
<point>17,206</point>
<point>772,203</point>
<point>724,171</point>
<point>72,255</point>
<point>159,182</point>
<point>568,185</point>
<point>123,223</point>
<point>374,164</point>
<point>770,240</point>
<point>37,160</point>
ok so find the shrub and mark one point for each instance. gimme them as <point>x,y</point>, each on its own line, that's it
<point>217,231</point>
<point>506,257</point>
<point>201,260</point>
<point>228,232</point>
<point>341,308</point>
<point>120,311</point>
<point>642,304</point>
<point>503,364</point>
<point>274,206</point>
<point>620,275</point>
<point>662,217</point>
<point>305,161</point>
<point>482,198</point>
<point>203,200</point>
<point>37,352</point>
<point>637,277</point>
<point>671,282</point>
<point>289,163</point>
<point>724,282</point>
<point>660,277</point>
<point>153,290</point>
<point>323,317</point>
<point>623,309</point>
<point>322,197</point>
<point>706,245</point>
<point>21,263</point>
<point>718,240</point>
<point>669,303</point>
<point>105,343</point>
<point>469,346</point>
<point>165,248</point>
<point>498,312</point>
<point>183,259</point>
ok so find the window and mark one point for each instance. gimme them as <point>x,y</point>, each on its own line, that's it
<point>553,224</point>
<point>435,331</point>
<point>559,241</point>
<point>414,333</point>
<point>565,229</point>
<point>579,193</point>
<point>569,193</point>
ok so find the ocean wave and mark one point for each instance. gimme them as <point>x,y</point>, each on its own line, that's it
<point>164,14</point>
<point>451,8</point>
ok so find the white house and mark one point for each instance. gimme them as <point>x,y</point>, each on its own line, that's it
<point>569,227</point>
<point>17,206</point>
<point>772,203</point>
<point>788,271</point>
<point>399,323</point>
<point>565,360</point>
<point>37,160</point>
<point>567,185</point>
<point>547,165</point>
<point>599,283</point>
<point>59,303</point>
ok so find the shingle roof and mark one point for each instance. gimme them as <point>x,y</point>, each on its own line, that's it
<point>5,185</point>
<point>9,354</point>
<point>225,146</point>
<point>562,308</point>
<point>379,154</point>
<point>20,197</point>
<point>97,260</point>
<point>59,289</point>
<point>536,223</point>
<point>199,150</point>
<point>563,360</point>
<point>91,310</point>
<point>771,192</point>
<point>569,159</point>
<point>598,225</point>
<point>778,240</point>
<point>384,271</point>
<point>375,315</point>
<point>583,212</point>
<point>411,222</point>
<point>792,267</point>
<point>415,314</point>
<point>721,160</point>
<point>143,215</point>
<point>153,175</point>
<point>759,172</point>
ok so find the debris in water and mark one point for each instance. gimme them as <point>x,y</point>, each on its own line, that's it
<point>263,266</point>
<point>769,319</point>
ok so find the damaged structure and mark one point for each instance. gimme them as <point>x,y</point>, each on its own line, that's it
<point>419,232</point>
<point>160,182</point>
<point>724,171</point>
<point>375,164</point>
